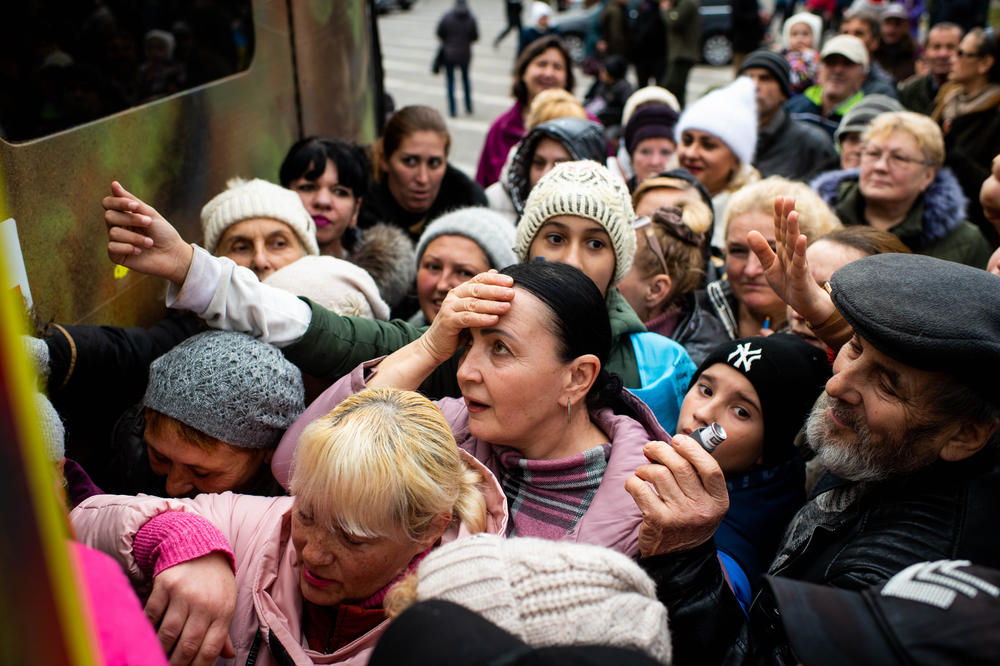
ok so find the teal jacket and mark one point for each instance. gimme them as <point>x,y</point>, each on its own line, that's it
<point>333,345</point>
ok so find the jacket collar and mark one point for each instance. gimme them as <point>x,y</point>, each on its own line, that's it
<point>940,209</point>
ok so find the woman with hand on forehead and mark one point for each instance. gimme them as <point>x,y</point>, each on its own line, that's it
<point>538,407</point>
<point>578,213</point>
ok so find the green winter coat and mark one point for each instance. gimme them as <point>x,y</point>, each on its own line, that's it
<point>962,242</point>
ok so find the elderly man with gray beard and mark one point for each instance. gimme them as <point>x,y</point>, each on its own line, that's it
<point>907,428</point>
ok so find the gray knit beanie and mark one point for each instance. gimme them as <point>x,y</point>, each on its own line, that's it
<point>491,231</point>
<point>587,189</point>
<point>246,199</point>
<point>228,385</point>
<point>550,592</point>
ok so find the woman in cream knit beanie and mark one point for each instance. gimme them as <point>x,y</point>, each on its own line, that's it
<point>580,214</point>
<point>259,225</point>
<point>545,592</point>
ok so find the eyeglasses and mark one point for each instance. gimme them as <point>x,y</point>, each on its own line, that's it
<point>895,160</point>
<point>966,54</point>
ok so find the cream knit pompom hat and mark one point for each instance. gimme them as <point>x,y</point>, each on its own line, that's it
<point>550,593</point>
<point>246,199</point>
<point>586,189</point>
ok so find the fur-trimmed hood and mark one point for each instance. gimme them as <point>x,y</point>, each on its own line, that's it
<point>387,253</point>
<point>944,202</point>
<point>582,139</point>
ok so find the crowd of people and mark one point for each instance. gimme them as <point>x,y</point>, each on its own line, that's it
<point>400,415</point>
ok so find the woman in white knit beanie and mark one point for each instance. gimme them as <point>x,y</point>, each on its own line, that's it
<point>716,140</point>
<point>259,225</point>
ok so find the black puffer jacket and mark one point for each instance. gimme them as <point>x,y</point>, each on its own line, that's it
<point>849,536</point>
<point>457,191</point>
<point>582,139</point>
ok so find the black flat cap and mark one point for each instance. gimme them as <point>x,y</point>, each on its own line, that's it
<point>928,313</point>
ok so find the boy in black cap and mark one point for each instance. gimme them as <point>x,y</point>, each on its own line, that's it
<point>785,146</point>
<point>760,391</point>
<point>908,428</point>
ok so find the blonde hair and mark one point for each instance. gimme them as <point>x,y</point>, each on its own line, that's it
<point>695,214</point>
<point>551,104</point>
<point>385,460</point>
<point>815,217</point>
<point>920,127</point>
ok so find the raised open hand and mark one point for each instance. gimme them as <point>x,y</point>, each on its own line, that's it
<point>785,267</point>
<point>141,239</point>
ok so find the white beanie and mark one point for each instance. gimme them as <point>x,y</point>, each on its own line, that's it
<point>729,113</point>
<point>814,22</point>
<point>550,593</point>
<point>586,189</point>
<point>335,284</point>
<point>243,200</point>
<point>538,10</point>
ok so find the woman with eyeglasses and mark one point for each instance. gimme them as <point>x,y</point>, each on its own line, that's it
<point>903,188</point>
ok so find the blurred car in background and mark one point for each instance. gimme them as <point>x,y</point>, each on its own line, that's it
<point>578,29</point>
<point>386,6</point>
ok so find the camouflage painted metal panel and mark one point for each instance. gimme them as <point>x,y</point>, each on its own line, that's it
<point>176,153</point>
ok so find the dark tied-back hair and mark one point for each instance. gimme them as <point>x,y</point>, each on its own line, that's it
<point>580,322</point>
<point>532,51</point>
<point>307,159</point>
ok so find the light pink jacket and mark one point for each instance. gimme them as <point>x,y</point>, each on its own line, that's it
<point>612,520</point>
<point>267,576</point>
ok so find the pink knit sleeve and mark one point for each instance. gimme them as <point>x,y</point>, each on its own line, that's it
<point>174,537</point>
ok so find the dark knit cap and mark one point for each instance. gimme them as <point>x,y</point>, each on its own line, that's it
<point>927,313</point>
<point>616,67</point>
<point>774,63</point>
<point>788,375</point>
<point>230,386</point>
<point>650,121</point>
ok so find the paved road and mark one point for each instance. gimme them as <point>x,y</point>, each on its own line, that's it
<point>409,44</point>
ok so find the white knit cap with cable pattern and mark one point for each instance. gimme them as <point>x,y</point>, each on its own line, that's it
<point>586,189</point>
<point>246,199</point>
<point>550,593</point>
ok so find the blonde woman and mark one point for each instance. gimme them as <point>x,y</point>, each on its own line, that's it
<point>379,482</point>
<point>743,300</point>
